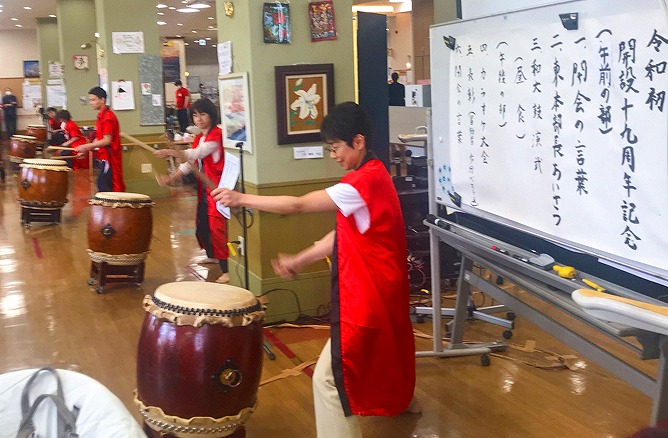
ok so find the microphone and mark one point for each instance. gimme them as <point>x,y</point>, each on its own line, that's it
<point>441,223</point>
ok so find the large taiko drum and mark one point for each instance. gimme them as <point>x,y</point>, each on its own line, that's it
<point>37,131</point>
<point>43,183</point>
<point>22,147</point>
<point>119,228</point>
<point>199,359</point>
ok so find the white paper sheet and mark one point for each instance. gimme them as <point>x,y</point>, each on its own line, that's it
<point>228,180</point>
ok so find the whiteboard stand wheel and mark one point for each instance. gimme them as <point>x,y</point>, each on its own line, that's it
<point>485,360</point>
<point>510,316</point>
<point>507,334</point>
<point>499,280</point>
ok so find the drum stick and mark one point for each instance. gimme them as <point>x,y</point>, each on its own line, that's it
<point>137,142</point>
<point>60,148</point>
<point>198,173</point>
<point>64,157</point>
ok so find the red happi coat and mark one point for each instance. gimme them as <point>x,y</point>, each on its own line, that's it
<point>373,349</point>
<point>217,222</point>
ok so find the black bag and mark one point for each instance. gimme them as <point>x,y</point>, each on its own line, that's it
<point>66,418</point>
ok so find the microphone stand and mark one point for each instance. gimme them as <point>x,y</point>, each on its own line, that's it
<point>240,145</point>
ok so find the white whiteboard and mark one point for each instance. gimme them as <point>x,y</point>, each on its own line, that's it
<point>581,159</point>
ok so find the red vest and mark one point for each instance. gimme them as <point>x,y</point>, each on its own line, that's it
<point>373,349</point>
<point>107,124</point>
<point>213,170</point>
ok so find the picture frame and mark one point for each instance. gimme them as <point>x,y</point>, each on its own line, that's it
<point>31,69</point>
<point>304,96</point>
<point>235,110</point>
<point>80,62</point>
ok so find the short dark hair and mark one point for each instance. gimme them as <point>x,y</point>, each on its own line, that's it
<point>64,115</point>
<point>177,83</point>
<point>344,122</point>
<point>204,105</point>
<point>395,76</point>
<point>99,92</point>
<point>51,109</point>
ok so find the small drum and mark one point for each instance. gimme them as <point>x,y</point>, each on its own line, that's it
<point>120,228</point>
<point>199,359</point>
<point>22,147</point>
<point>37,131</point>
<point>43,183</point>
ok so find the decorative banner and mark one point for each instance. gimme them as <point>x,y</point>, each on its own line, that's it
<point>276,23</point>
<point>171,63</point>
<point>323,23</point>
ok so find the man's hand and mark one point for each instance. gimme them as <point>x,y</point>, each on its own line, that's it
<point>286,265</point>
<point>227,197</point>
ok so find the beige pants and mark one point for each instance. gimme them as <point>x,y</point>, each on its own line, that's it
<point>330,421</point>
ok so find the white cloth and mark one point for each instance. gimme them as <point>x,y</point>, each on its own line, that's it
<point>330,422</point>
<point>349,201</point>
<point>101,415</point>
<point>202,150</point>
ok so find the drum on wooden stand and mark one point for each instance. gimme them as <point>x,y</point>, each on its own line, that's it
<point>22,147</point>
<point>119,228</point>
<point>199,359</point>
<point>43,186</point>
<point>37,131</point>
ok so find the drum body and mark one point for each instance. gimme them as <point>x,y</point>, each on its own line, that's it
<point>37,131</point>
<point>43,183</point>
<point>120,227</point>
<point>199,359</point>
<point>22,147</point>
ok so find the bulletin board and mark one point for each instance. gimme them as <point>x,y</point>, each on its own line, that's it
<point>151,96</point>
<point>560,132</point>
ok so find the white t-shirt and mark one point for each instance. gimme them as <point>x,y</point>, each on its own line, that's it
<point>349,201</point>
<point>203,149</point>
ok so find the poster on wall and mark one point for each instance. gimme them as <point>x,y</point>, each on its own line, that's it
<point>323,23</point>
<point>171,63</point>
<point>276,23</point>
<point>122,95</point>
<point>127,42</point>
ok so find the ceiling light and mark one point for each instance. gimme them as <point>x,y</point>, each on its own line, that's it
<point>27,8</point>
<point>187,10</point>
<point>52,16</point>
<point>171,8</point>
<point>199,6</point>
<point>160,6</point>
<point>96,34</point>
<point>187,44</point>
<point>193,31</point>
<point>161,13</point>
<point>161,23</point>
<point>14,19</point>
<point>211,18</point>
<point>18,25</point>
<point>178,36</point>
<point>179,24</point>
<point>208,38</point>
<point>214,45</point>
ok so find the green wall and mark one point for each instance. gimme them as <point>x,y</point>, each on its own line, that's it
<point>47,39</point>
<point>444,11</point>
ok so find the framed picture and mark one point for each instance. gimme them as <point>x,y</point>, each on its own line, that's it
<point>30,69</point>
<point>323,23</point>
<point>80,62</point>
<point>234,110</point>
<point>276,23</point>
<point>304,96</point>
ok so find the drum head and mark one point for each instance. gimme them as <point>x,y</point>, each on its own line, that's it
<point>43,162</point>
<point>27,138</point>
<point>202,295</point>
<point>121,196</point>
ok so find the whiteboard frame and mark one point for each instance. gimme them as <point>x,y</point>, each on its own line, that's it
<point>440,134</point>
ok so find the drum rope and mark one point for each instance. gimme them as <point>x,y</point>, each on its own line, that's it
<point>117,259</point>
<point>207,312</point>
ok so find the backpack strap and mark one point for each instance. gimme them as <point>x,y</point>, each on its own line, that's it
<point>66,418</point>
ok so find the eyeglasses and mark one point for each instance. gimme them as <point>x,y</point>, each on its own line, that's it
<point>331,149</point>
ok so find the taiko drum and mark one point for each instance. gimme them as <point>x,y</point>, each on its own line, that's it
<point>119,227</point>
<point>37,131</point>
<point>22,147</point>
<point>43,183</point>
<point>199,359</point>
